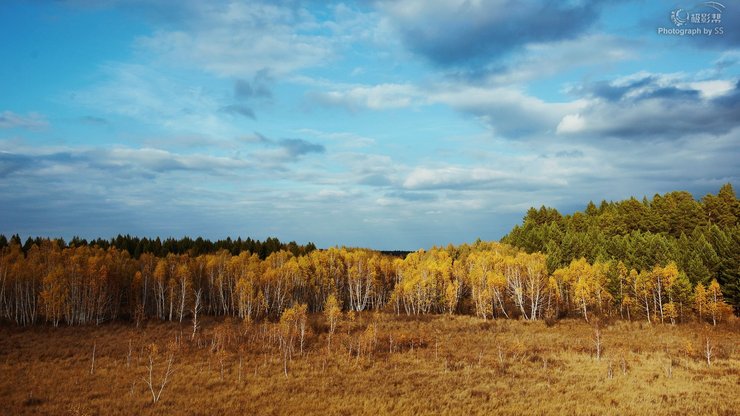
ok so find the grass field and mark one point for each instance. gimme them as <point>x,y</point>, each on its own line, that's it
<point>377,364</point>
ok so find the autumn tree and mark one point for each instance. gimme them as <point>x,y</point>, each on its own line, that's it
<point>301,322</point>
<point>332,312</point>
<point>287,333</point>
<point>184,288</point>
<point>54,295</point>
<point>715,303</point>
<point>700,300</point>
<point>153,356</point>
<point>196,309</point>
<point>527,283</point>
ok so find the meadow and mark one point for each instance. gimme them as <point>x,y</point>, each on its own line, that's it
<point>375,363</point>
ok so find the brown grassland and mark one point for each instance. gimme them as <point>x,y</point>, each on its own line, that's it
<point>378,363</point>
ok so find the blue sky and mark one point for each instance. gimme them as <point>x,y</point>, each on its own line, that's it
<point>386,124</point>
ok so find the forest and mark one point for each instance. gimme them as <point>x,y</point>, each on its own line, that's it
<point>622,309</point>
<point>700,237</point>
<point>668,259</point>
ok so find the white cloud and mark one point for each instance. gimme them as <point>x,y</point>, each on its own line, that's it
<point>152,97</point>
<point>713,88</point>
<point>425,178</point>
<point>656,106</point>
<point>31,121</point>
<point>162,161</point>
<point>541,60</point>
<point>373,97</point>
<point>507,110</point>
<point>571,123</point>
<point>118,161</point>
<point>240,39</point>
<point>462,178</point>
<point>340,138</point>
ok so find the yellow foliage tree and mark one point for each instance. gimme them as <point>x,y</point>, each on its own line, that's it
<point>716,304</point>
<point>332,312</point>
<point>700,300</point>
<point>54,295</point>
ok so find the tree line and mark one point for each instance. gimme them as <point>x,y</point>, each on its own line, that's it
<point>136,246</point>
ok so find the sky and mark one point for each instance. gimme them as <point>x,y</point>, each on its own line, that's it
<point>396,124</point>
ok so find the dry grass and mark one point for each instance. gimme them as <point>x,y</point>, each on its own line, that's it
<point>426,365</point>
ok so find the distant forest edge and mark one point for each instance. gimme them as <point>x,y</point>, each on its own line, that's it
<point>136,246</point>
<point>669,259</point>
